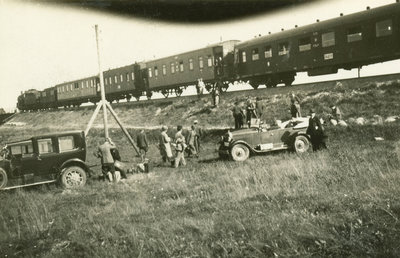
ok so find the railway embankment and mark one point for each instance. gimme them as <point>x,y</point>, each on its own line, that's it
<point>371,100</point>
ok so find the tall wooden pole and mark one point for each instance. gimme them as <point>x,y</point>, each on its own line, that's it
<point>103,95</point>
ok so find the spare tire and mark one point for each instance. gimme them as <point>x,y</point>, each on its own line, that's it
<point>3,178</point>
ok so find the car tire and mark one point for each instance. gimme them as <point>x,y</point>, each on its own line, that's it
<point>3,178</point>
<point>301,144</point>
<point>240,152</point>
<point>73,177</point>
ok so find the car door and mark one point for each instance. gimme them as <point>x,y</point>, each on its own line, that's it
<point>275,139</point>
<point>40,163</point>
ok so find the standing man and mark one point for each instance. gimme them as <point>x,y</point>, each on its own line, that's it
<point>237,115</point>
<point>143,146</point>
<point>180,147</point>
<point>198,136</point>
<point>251,111</point>
<point>294,105</point>
<point>107,160</point>
<point>200,87</point>
<point>165,145</point>
<point>316,132</point>
<point>260,108</point>
<point>191,139</point>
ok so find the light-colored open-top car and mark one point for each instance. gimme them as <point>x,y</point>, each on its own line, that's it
<point>239,144</point>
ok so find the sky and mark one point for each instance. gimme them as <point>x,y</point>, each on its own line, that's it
<point>41,45</point>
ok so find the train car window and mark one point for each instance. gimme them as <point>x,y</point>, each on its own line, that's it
<point>181,66</point>
<point>354,34</point>
<point>87,84</point>
<point>109,81</point>
<point>164,69</point>
<point>91,83</point>
<point>244,56</point>
<point>283,48</point>
<point>133,76</point>
<point>43,94</point>
<point>209,61</point>
<point>268,52</point>
<point>176,66</point>
<point>127,77</point>
<point>76,85</point>
<point>384,28</point>
<point>105,81</point>
<point>201,64</point>
<point>191,64</point>
<point>150,73</point>
<point>328,39</point>
<point>121,77</point>
<point>172,67</point>
<point>254,54</point>
<point>155,71</point>
<point>51,93</point>
<point>115,79</point>
<point>304,44</point>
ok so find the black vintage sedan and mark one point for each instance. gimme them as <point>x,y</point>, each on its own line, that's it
<point>239,144</point>
<point>58,157</point>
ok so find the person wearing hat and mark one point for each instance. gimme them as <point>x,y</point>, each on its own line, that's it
<point>316,132</point>
<point>294,105</point>
<point>198,135</point>
<point>165,145</point>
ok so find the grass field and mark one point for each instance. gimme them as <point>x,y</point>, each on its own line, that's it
<point>343,201</point>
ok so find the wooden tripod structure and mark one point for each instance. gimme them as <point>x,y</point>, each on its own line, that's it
<point>105,105</point>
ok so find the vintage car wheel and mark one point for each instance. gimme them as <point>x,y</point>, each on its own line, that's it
<point>240,152</point>
<point>73,177</point>
<point>3,178</point>
<point>301,144</point>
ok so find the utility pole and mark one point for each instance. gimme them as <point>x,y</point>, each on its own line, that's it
<point>103,95</point>
<point>104,104</point>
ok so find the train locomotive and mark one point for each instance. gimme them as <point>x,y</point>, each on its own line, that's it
<point>324,47</point>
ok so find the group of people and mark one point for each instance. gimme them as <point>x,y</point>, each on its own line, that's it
<point>189,144</point>
<point>250,115</point>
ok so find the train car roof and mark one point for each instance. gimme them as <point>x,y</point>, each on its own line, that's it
<point>321,25</point>
<point>191,51</point>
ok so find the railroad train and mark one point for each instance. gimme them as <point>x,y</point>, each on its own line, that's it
<point>345,42</point>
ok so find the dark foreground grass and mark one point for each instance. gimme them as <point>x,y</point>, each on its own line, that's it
<point>340,202</point>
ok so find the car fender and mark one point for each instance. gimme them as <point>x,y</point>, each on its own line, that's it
<point>75,162</point>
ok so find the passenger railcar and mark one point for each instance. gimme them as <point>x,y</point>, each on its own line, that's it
<point>347,42</point>
<point>77,92</point>
<point>175,73</point>
<point>124,82</point>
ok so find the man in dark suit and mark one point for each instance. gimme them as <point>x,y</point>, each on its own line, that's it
<point>316,132</point>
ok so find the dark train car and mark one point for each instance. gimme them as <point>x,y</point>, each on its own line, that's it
<point>124,82</point>
<point>48,98</point>
<point>29,100</point>
<point>347,42</point>
<point>174,73</point>
<point>79,91</point>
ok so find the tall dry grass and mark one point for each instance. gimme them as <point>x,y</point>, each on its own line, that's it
<point>343,201</point>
